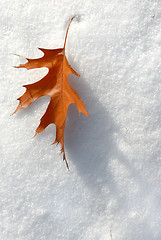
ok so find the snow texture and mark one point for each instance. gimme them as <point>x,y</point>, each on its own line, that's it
<point>113,186</point>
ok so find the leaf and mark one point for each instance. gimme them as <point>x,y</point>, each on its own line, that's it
<point>55,84</point>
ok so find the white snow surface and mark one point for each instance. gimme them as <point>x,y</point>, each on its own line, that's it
<point>113,186</point>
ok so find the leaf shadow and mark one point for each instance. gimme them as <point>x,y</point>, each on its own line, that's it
<point>89,141</point>
<point>91,146</point>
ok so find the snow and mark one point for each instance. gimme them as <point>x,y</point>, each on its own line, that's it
<point>113,186</point>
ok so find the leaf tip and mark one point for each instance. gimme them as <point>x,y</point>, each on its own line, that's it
<point>64,159</point>
<point>12,114</point>
<point>35,135</point>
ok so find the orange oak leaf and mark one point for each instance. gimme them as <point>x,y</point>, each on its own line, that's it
<point>55,84</point>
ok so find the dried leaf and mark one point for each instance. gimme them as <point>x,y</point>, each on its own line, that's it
<point>55,84</point>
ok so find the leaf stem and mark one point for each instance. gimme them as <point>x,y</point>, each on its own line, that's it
<point>67,32</point>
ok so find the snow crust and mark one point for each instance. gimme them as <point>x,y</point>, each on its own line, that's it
<point>113,185</point>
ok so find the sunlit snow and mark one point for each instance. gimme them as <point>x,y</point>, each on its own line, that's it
<point>113,186</point>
